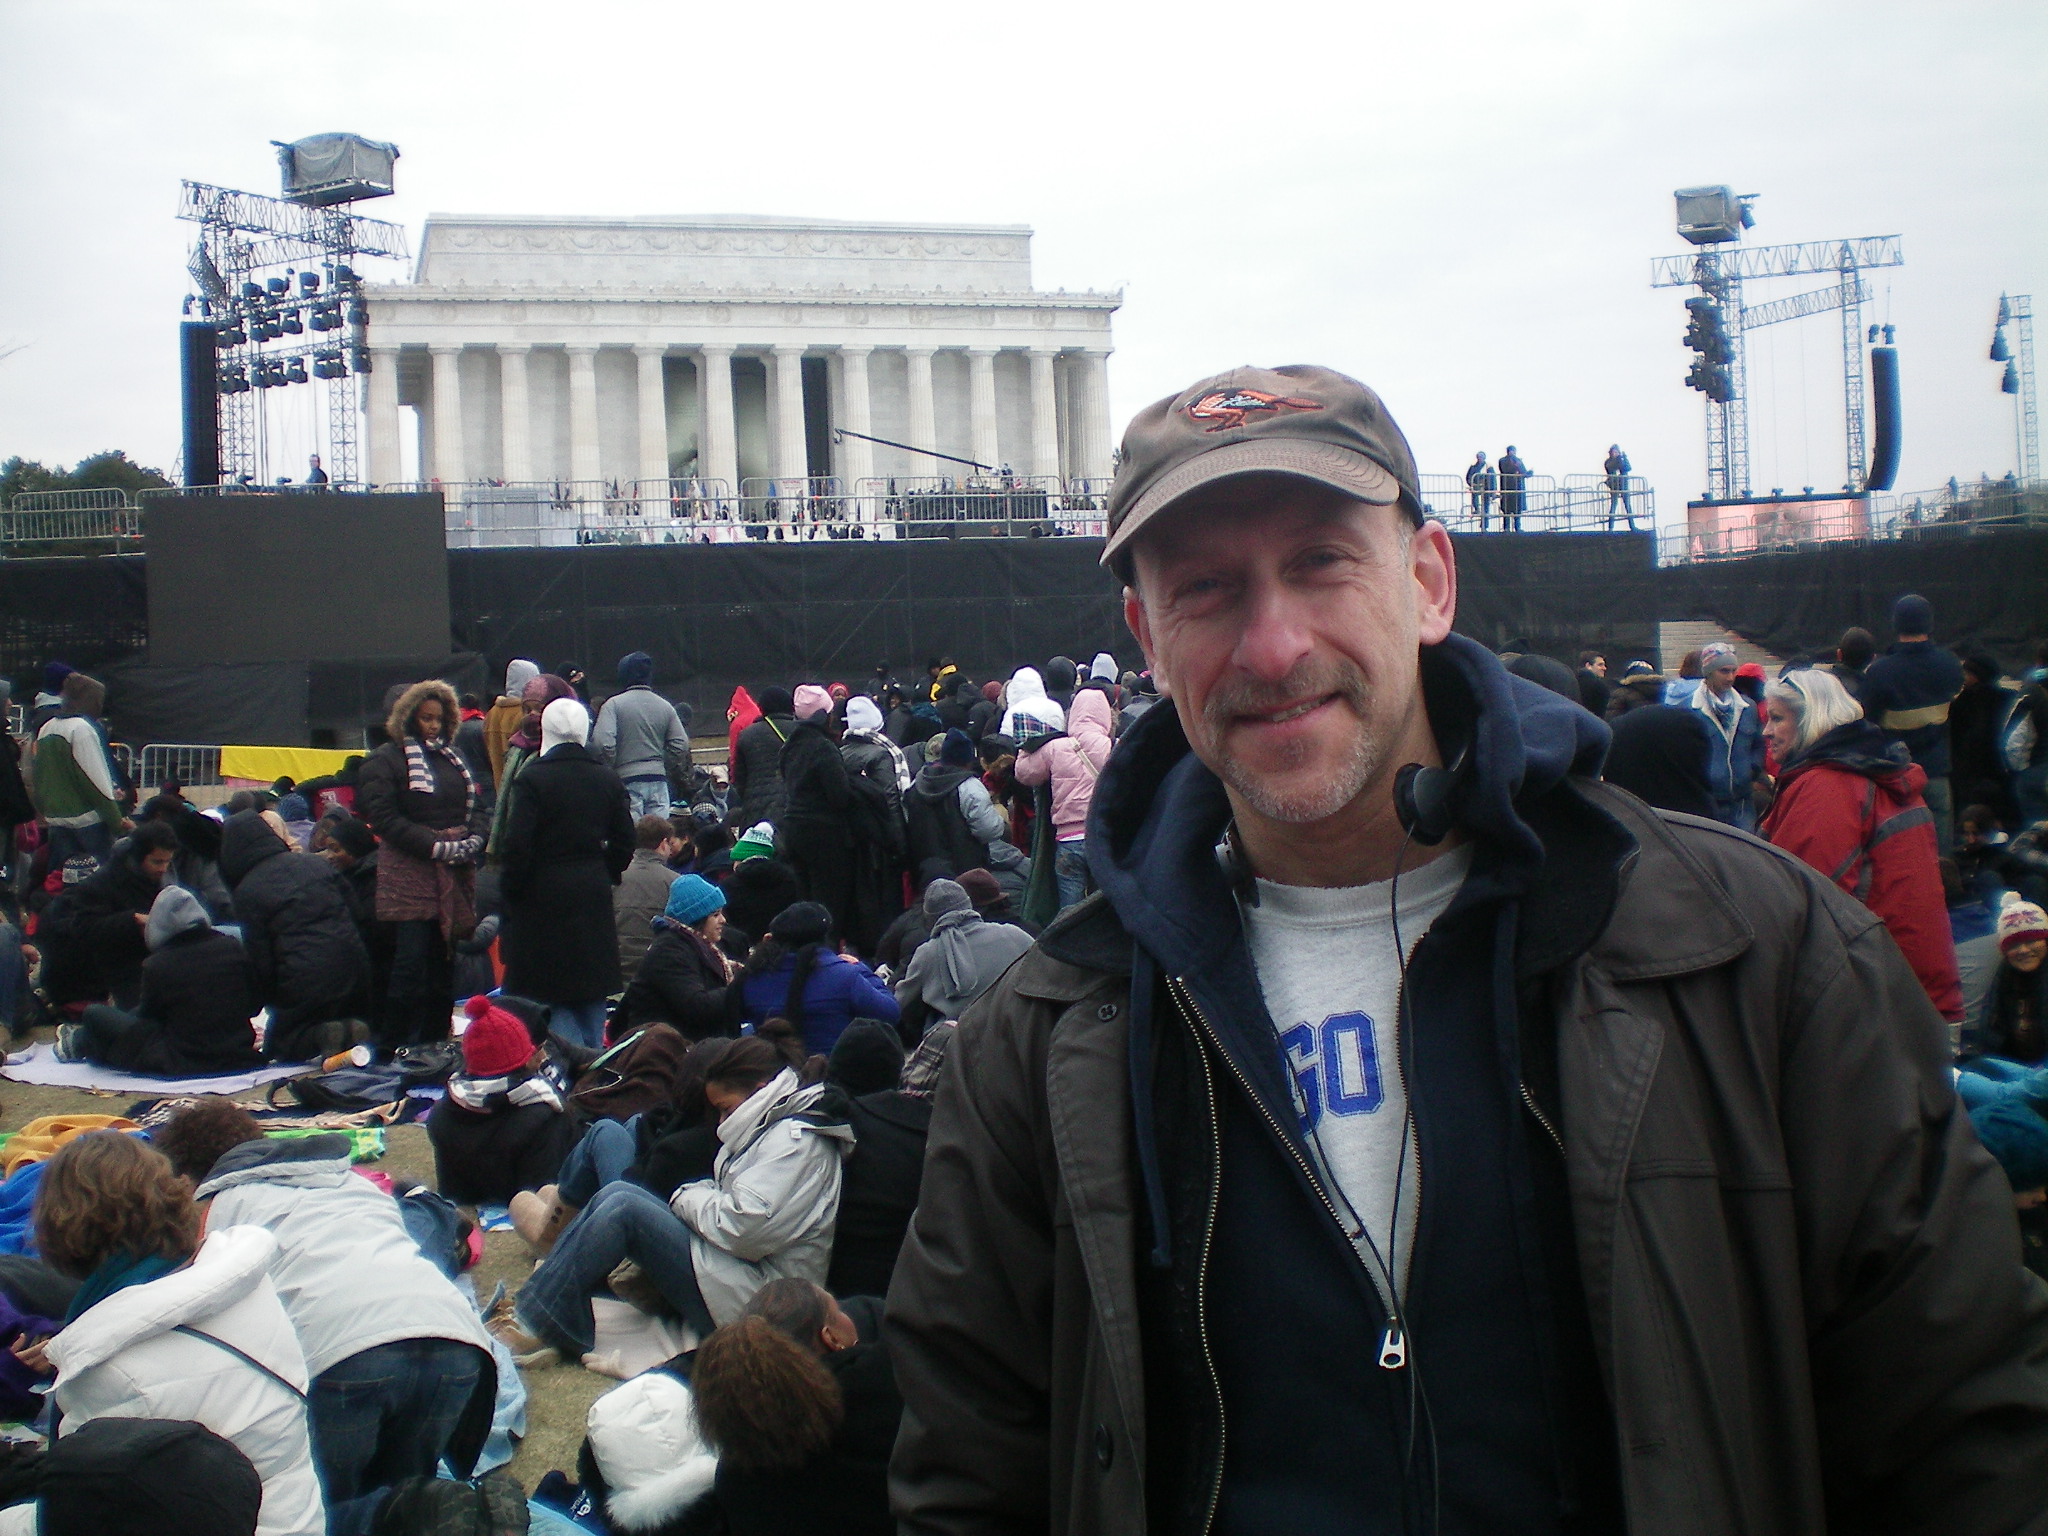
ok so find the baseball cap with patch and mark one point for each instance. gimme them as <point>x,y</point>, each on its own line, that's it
<point>1314,423</point>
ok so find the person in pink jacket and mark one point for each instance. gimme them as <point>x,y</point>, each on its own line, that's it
<point>1070,760</point>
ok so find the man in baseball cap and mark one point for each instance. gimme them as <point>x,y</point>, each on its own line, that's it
<point>1400,1138</point>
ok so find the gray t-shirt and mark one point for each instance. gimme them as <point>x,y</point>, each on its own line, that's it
<point>1327,968</point>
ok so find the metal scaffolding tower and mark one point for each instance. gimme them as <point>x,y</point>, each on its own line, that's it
<point>1719,271</point>
<point>246,267</point>
<point>2017,311</point>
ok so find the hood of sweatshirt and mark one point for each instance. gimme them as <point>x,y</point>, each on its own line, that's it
<point>175,911</point>
<point>307,1162</point>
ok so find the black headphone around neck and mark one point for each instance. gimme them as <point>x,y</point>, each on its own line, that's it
<point>1422,800</point>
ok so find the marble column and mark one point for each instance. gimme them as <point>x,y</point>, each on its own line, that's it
<point>855,415</point>
<point>584,461</point>
<point>386,465</point>
<point>1094,378</point>
<point>718,451</point>
<point>449,466</point>
<point>981,404</point>
<point>792,460</point>
<point>924,430</point>
<point>653,421</point>
<point>1045,415</point>
<point>515,405</point>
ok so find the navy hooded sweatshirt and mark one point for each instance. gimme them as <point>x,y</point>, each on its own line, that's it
<point>1497,1424</point>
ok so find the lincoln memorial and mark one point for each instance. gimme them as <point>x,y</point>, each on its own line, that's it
<point>731,357</point>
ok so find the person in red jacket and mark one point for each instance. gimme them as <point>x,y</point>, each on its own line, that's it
<point>1849,804</point>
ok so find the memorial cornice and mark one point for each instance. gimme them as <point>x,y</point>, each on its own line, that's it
<point>704,293</point>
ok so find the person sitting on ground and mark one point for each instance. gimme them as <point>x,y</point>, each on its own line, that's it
<point>991,901</point>
<point>2017,1137</point>
<point>401,1366</point>
<point>196,866</point>
<point>349,845</point>
<point>137,1477</point>
<point>505,1124</point>
<point>891,1119</point>
<point>759,886</point>
<point>799,1402</point>
<point>166,1326</point>
<point>299,928</point>
<point>963,957</point>
<point>1849,805</point>
<point>199,996</point>
<point>92,936</point>
<point>766,1214</point>
<point>642,891</point>
<point>684,977</point>
<point>1980,852</point>
<point>797,973</point>
<point>2013,1023</point>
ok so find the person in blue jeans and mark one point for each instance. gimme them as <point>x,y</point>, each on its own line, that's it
<point>767,1212</point>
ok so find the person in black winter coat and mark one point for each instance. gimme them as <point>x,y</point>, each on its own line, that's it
<point>567,840</point>
<point>755,891</point>
<point>684,975</point>
<point>816,833</point>
<point>798,1397</point>
<point>198,1001</point>
<point>91,936</point>
<point>879,1183</point>
<point>507,1121</point>
<point>756,772</point>
<point>299,928</point>
<point>350,847</point>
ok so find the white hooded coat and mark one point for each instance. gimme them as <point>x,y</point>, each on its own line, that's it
<point>123,1359</point>
<point>768,1210</point>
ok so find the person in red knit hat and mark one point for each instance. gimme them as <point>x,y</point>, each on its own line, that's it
<point>504,1125</point>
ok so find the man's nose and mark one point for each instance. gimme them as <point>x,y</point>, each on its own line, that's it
<point>1275,637</point>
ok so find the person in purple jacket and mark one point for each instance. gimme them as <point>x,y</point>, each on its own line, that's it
<point>798,973</point>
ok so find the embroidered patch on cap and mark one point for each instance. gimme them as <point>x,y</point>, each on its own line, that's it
<point>1228,408</point>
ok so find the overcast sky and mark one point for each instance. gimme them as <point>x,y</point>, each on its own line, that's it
<point>1456,202</point>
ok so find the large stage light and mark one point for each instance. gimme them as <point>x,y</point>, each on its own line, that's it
<point>331,168</point>
<point>1711,215</point>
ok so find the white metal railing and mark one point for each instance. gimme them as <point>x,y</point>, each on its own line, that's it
<point>1540,504</point>
<point>188,763</point>
<point>59,525</point>
<point>105,498</point>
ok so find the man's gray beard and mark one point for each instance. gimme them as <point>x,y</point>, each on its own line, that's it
<point>1368,754</point>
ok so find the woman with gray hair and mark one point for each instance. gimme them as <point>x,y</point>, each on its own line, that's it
<point>1849,804</point>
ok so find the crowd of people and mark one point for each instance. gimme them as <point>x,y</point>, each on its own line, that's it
<point>704,1011</point>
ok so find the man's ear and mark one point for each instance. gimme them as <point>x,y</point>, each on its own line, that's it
<point>1140,627</point>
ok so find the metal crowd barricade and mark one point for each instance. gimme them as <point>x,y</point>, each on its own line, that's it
<point>124,758</point>
<point>964,506</point>
<point>191,765</point>
<point>56,517</point>
<point>792,499</point>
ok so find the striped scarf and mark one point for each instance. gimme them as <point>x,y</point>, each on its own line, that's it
<point>419,772</point>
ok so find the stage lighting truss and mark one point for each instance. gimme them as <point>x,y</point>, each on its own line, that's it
<point>280,285</point>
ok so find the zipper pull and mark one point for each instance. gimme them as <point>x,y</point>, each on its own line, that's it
<point>1393,1348</point>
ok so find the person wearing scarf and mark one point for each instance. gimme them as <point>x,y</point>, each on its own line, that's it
<point>419,798</point>
<point>523,745</point>
<point>962,958</point>
<point>506,712</point>
<point>683,978</point>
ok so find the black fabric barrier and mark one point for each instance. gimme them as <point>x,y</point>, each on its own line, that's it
<point>1989,589</point>
<point>84,609</point>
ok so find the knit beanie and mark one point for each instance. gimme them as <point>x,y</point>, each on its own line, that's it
<point>863,716</point>
<point>691,899</point>
<point>352,836</point>
<point>981,888</point>
<point>811,700</point>
<point>636,669</point>
<point>866,1058</point>
<point>2017,1136</point>
<point>2019,920</point>
<point>565,721</point>
<point>1715,655</point>
<point>958,752</point>
<point>757,843</point>
<point>804,922</point>
<point>1912,615</point>
<point>496,1042</point>
<point>943,896</point>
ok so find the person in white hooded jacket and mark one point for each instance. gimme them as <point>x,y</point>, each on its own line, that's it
<point>161,1331</point>
<point>767,1211</point>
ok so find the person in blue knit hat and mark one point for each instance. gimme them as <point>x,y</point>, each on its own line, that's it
<point>683,977</point>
